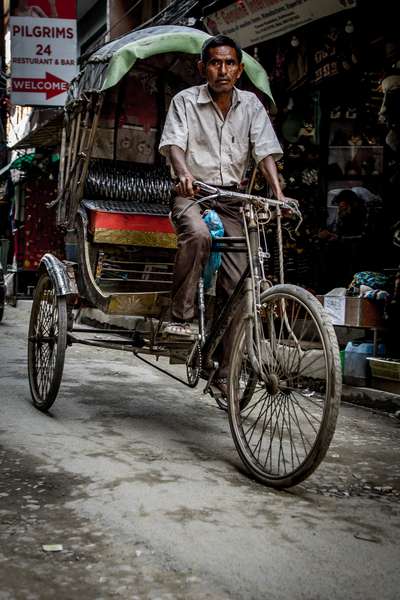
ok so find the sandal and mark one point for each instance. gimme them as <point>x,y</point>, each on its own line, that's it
<point>179,329</point>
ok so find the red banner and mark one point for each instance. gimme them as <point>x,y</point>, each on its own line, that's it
<point>50,9</point>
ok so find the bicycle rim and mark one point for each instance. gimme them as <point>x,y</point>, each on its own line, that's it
<point>284,430</point>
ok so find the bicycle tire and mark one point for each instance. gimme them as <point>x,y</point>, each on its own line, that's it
<point>301,387</point>
<point>47,341</point>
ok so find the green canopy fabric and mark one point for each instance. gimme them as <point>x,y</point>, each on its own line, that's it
<point>19,163</point>
<point>107,66</point>
<point>189,42</point>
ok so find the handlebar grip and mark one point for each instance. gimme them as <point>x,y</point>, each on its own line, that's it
<point>204,187</point>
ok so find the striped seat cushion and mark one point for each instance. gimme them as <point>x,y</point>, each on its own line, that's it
<point>132,223</point>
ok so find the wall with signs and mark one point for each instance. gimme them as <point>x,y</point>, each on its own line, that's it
<point>43,51</point>
<point>251,22</point>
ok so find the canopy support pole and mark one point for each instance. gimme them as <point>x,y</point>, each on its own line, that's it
<point>85,157</point>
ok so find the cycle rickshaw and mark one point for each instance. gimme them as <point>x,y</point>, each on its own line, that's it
<point>284,380</point>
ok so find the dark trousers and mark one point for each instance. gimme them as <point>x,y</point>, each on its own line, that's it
<point>194,245</point>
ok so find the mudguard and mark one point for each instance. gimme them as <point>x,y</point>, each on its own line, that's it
<point>61,274</point>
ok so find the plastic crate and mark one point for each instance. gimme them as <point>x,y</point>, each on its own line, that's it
<point>385,368</point>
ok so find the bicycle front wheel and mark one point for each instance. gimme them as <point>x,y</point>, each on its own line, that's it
<point>282,419</point>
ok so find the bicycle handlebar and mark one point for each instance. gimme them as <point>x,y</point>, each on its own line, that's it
<point>258,201</point>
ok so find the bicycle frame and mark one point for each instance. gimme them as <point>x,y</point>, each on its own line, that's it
<point>249,287</point>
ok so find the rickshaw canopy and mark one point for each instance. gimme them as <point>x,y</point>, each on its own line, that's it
<point>109,64</point>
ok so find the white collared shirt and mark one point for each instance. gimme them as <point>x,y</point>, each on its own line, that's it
<point>217,149</point>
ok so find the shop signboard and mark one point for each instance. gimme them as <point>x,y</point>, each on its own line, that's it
<point>251,22</point>
<point>43,51</point>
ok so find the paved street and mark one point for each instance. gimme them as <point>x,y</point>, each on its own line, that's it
<point>137,478</point>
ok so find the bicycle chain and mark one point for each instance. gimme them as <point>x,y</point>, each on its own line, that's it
<point>193,372</point>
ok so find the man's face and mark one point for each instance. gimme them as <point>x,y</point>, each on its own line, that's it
<point>222,69</point>
<point>344,208</point>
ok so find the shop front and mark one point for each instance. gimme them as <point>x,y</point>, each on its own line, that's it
<point>28,226</point>
<point>336,84</point>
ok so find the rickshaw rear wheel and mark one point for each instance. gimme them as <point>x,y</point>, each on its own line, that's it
<point>47,341</point>
<point>284,430</point>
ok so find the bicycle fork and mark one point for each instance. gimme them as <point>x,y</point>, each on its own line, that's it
<point>252,292</point>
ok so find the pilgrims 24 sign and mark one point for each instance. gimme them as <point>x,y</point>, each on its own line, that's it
<point>43,51</point>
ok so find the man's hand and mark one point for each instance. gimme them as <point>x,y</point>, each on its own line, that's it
<point>326,235</point>
<point>294,205</point>
<point>184,186</point>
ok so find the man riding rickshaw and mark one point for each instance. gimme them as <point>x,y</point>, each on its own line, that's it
<point>209,133</point>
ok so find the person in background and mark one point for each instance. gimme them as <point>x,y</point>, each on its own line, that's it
<point>342,247</point>
<point>351,214</point>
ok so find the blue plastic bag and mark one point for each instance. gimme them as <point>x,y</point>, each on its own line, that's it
<point>216,229</point>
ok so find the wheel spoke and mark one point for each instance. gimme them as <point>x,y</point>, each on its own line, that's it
<point>300,430</point>
<point>308,415</point>
<point>250,408</point>
<point>254,424</point>
<point>272,430</point>
<point>292,445</point>
<point>265,425</point>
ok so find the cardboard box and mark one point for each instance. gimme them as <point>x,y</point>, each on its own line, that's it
<point>385,368</point>
<point>352,311</point>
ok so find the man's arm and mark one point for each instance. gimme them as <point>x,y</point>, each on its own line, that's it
<point>265,147</point>
<point>268,168</point>
<point>177,158</point>
<point>173,143</point>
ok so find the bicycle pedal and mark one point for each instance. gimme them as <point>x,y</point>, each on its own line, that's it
<point>168,337</point>
<point>214,392</point>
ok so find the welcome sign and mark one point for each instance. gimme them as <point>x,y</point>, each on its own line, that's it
<point>43,51</point>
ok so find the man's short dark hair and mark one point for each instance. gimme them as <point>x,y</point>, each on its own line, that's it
<point>348,196</point>
<point>215,42</point>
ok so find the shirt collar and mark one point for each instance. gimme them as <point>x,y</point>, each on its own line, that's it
<point>204,95</point>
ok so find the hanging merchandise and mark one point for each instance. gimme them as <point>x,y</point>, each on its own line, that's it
<point>38,234</point>
<point>348,49</point>
<point>278,70</point>
<point>326,58</point>
<point>33,186</point>
<point>338,52</point>
<point>297,63</point>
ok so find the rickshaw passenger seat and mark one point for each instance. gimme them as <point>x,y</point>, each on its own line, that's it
<point>130,182</point>
<point>129,203</point>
